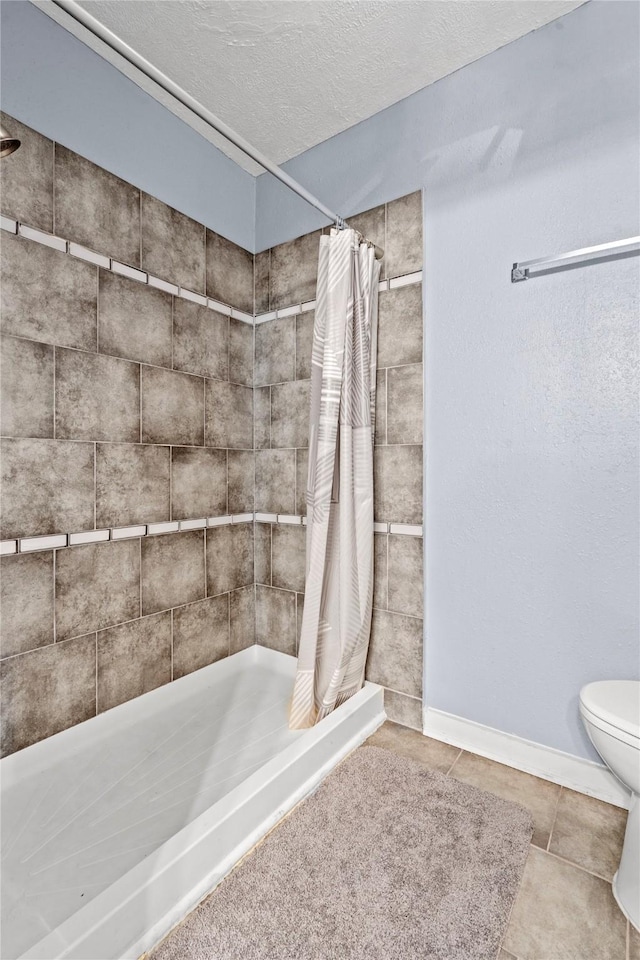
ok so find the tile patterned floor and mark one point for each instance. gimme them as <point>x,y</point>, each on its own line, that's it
<point>565,909</point>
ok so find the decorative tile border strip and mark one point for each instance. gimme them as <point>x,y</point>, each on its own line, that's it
<point>76,250</point>
<point>57,541</point>
<point>17,228</point>
<point>384,285</point>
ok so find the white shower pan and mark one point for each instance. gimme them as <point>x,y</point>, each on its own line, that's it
<point>114,829</point>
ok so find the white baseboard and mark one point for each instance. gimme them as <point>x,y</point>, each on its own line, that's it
<point>576,773</point>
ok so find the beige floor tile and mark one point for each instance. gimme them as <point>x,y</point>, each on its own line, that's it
<point>412,744</point>
<point>538,796</point>
<point>588,832</point>
<point>503,955</point>
<point>633,943</point>
<point>563,913</point>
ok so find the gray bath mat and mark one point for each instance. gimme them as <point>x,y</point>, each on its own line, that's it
<point>386,861</point>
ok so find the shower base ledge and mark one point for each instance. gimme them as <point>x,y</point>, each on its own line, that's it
<point>134,912</point>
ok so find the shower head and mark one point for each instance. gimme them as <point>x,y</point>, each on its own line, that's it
<point>8,144</point>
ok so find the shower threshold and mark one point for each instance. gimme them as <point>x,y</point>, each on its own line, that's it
<point>113,830</point>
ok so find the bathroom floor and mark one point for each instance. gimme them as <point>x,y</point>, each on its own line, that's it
<point>565,907</point>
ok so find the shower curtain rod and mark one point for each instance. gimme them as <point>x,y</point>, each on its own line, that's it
<point>79,14</point>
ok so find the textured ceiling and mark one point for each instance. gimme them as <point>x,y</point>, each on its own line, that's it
<point>288,74</point>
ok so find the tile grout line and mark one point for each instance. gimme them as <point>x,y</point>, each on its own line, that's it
<point>95,486</point>
<point>199,376</point>
<point>573,863</point>
<point>53,429</point>
<point>553,822</point>
<point>140,225</point>
<point>172,676</point>
<point>454,762</point>
<point>53,590</point>
<point>627,950</point>
<point>53,187</point>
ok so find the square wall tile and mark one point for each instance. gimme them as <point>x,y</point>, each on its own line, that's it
<point>403,250</point>
<point>198,483</point>
<point>380,571</point>
<point>135,320</point>
<point>200,340</point>
<point>200,634</point>
<point>58,304</point>
<point>172,570</point>
<point>261,262</point>
<point>242,616</point>
<point>406,581</point>
<point>26,600</point>
<point>229,273</point>
<point>380,434</point>
<point>26,382</point>
<point>302,479</point>
<point>240,351</point>
<point>97,585</point>
<point>95,208</point>
<point>133,658</point>
<point>404,404</point>
<point>262,553</point>
<point>241,472</point>
<point>97,397</point>
<point>398,484</point>
<point>132,484</point>
<point>172,245</point>
<point>294,271</point>
<point>229,415</point>
<point>47,487</point>
<point>26,177</point>
<point>304,344</point>
<point>67,672</point>
<point>276,619</point>
<point>275,481</point>
<point>288,557</point>
<point>275,351</point>
<point>400,326</point>
<point>395,653</point>
<point>229,558</point>
<point>262,417</point>
<point>290,412</point>
<point>172,407</point>
<point>404,710</point>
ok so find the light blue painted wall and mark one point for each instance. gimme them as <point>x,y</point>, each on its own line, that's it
<point>531,392</point>
<point>54,83</point>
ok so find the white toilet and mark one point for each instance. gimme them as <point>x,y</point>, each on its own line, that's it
<point>610,710</point>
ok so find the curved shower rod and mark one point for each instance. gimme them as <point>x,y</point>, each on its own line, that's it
<point>79,14</point>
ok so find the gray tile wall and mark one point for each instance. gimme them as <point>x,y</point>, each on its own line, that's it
<point>286,275</point>
<point>120,404</point>
<point>123,404</point>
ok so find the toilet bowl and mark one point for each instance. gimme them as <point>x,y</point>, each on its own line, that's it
<point>610,711</point>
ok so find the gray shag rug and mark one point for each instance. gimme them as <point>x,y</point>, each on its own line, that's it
<point>386,861</point>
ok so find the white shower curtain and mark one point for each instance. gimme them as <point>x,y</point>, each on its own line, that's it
<point>339,566</point>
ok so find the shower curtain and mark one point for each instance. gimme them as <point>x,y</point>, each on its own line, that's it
<point>339,563</point>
